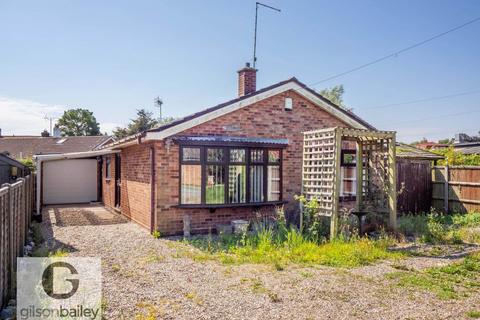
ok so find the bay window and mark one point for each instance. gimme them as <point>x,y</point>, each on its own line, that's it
<point>216,175</point>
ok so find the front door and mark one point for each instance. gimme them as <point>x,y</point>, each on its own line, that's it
<point>118,179</point>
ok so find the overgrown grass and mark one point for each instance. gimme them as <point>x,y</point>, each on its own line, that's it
<point>269,247</point>
<point>449,282</point>
<point>442,229</point>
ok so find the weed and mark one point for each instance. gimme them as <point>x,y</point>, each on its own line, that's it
<point>448,282</point>
<point>153,258</point>
<point>115,267</point>
<point>441,229</point>
<point>37,235</point>
<point>274,297</point>
<point>156,234</point>
<point>195,298</point>
<point>306,274</point>
<point>474,314</point>
<point>267,247</point>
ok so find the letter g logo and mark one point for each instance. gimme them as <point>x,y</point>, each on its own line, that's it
<point>47,280</point>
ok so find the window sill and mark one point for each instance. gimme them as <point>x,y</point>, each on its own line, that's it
<point>229,205</point>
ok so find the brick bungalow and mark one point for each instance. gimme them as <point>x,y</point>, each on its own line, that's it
<point>224,163</point>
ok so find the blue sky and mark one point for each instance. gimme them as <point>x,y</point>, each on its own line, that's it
<point>113,57</point>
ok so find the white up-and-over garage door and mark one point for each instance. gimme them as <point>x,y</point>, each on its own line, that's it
<point>69,181</point>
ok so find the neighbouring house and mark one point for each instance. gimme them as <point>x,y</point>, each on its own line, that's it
<point>430,145</point>
<point>23,147</point>
<point>232,161</point>
<point>467,144</point>
<point>11,169</point>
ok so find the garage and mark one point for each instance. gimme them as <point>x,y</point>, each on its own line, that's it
<point>70,181</point>
<point>69,178</point>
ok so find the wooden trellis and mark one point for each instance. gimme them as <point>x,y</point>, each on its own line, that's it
<point>375,168</point>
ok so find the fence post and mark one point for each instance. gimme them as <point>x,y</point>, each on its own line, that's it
<point>445,189</point>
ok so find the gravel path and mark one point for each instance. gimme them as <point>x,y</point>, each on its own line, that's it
<point>143,275</point>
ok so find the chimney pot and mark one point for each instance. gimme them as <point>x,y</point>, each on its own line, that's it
<point>247,80</point>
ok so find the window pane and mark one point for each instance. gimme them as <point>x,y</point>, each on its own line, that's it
<point>273,156</point>
<point>237,155</point>
<point>191,182</point>
<point>215,155</point>
<point>191,154</point>
<point>215,188</point>
<point>237,177</point>
<point>273,187</point>
<point>256,183</point>
<point>256,155</point>
<point>348,184</point>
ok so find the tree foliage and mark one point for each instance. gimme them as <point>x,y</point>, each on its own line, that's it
<point>78,122</point>
<point>143,121</point>
<point>455,158</point>
<point>334,94</point>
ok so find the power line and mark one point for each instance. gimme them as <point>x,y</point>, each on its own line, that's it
<point>396,53</point>
<point>437,117</point>
<point>423,100</point>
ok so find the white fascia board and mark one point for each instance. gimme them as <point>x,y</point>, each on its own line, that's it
<point>243,103</point>
<point>73,155</point>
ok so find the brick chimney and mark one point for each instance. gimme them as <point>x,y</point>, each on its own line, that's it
<point>247,80</point>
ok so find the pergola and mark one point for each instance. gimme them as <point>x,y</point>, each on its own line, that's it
<point>376,189</point>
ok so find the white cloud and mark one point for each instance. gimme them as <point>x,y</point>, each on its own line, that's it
<point>25,117</point>
<point>108,127</point>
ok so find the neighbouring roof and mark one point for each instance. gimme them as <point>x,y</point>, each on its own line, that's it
<point>28,146</point>
<point>407,151</point>
<point>229,140</point>
<point>472,148</point>
<point>208,114</point>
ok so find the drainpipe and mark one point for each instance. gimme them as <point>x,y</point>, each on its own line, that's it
<point>153,217</point>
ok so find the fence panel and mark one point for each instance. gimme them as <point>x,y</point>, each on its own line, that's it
<point>456,188</point>
<point>16,206</point>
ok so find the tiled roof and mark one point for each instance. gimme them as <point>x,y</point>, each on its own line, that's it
<point>27,146</point>
<point>222,105</point>
<point>465,149</point>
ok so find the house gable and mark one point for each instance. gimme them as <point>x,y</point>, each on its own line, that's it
<point>292,86</point>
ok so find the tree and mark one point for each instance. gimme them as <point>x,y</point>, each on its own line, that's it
<point>78,122</point>
<point>334,94</point>
<point>144,121</point>
<point>446,141</point>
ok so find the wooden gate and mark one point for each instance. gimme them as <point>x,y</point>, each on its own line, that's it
<point>414,183</point>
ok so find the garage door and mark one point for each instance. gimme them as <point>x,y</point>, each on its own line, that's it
<point>69,181</point>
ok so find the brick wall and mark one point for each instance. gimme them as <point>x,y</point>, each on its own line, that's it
<point>266,118</point>
<point>135,186</point>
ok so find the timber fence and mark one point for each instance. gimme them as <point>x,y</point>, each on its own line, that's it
<point>456,188</point>
<point>16,207</point>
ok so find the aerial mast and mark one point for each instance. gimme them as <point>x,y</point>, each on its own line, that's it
<point>257,4</point>
<point>158,103</point>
